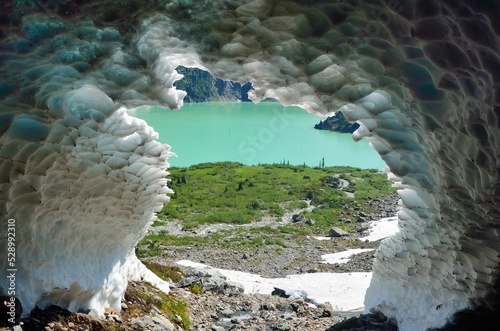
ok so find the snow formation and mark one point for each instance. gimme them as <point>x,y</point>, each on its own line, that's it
<point>82,179</point>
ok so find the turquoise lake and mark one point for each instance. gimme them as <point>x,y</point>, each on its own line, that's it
<point>251,134</point>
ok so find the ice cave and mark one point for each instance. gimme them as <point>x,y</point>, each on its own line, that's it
<point>82,179</point>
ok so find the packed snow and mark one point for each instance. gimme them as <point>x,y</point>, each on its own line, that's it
<point>379,229</point>
<point>343,257</point>
<point>382,228</point>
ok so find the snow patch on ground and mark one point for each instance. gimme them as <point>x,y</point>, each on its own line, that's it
<point>321,238</point>
<point>382,228</point>
<point>344,291</point>
<point>343,257</point>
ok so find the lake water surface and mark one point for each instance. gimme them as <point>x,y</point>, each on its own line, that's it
<point>251,134</point>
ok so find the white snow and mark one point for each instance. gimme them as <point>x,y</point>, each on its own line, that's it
<point>382,228</point>
<point>344,291</point>
<point>322,238</point>
<point>343,257</point>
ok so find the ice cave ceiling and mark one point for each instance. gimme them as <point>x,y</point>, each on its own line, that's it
<point>82,179</point>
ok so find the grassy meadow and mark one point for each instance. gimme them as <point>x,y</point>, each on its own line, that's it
<point>232,193</point>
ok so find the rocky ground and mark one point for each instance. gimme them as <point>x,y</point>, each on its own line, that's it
<point>216,305</point>
<point>297,257</point>
<point>220,311</point>
<point>212,310</point>
<point>222,306</point>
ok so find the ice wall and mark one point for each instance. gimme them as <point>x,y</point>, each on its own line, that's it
<point>420,77</point>
<point>80,177</point>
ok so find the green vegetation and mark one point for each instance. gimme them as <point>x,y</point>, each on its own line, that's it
<point>142,297</point>
<point>167,273</point>
<point>196,289</point>
<point>232,193</point>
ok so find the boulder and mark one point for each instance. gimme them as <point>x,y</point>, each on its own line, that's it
<point>362,229</point>
<point>153,323</point>
<point>298,218</point>
<point>211,281</point>
<point>279,292</point>
<point>310,222</point>
<point>301,219</point>
<point>337,232</point>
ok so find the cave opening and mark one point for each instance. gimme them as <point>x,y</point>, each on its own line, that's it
<point>214,223</point>
<point>420,77</point>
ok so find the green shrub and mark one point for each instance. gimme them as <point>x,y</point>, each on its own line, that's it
<point>276,211</point>
<point>196,289</point>
<point>297,205</point>
<point>274,241</point>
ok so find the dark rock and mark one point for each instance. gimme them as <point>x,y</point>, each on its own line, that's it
<point>348,324</point>
<point>301,219</point>
<point>296,307</point>
<point>337,232</point>
<point>38,318</point>
<point>268,307</point>
<point>279,292</point>
<point>298,218</point>
<point>375,321</point>
<point>188,281</point>
<point>362,229</point>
